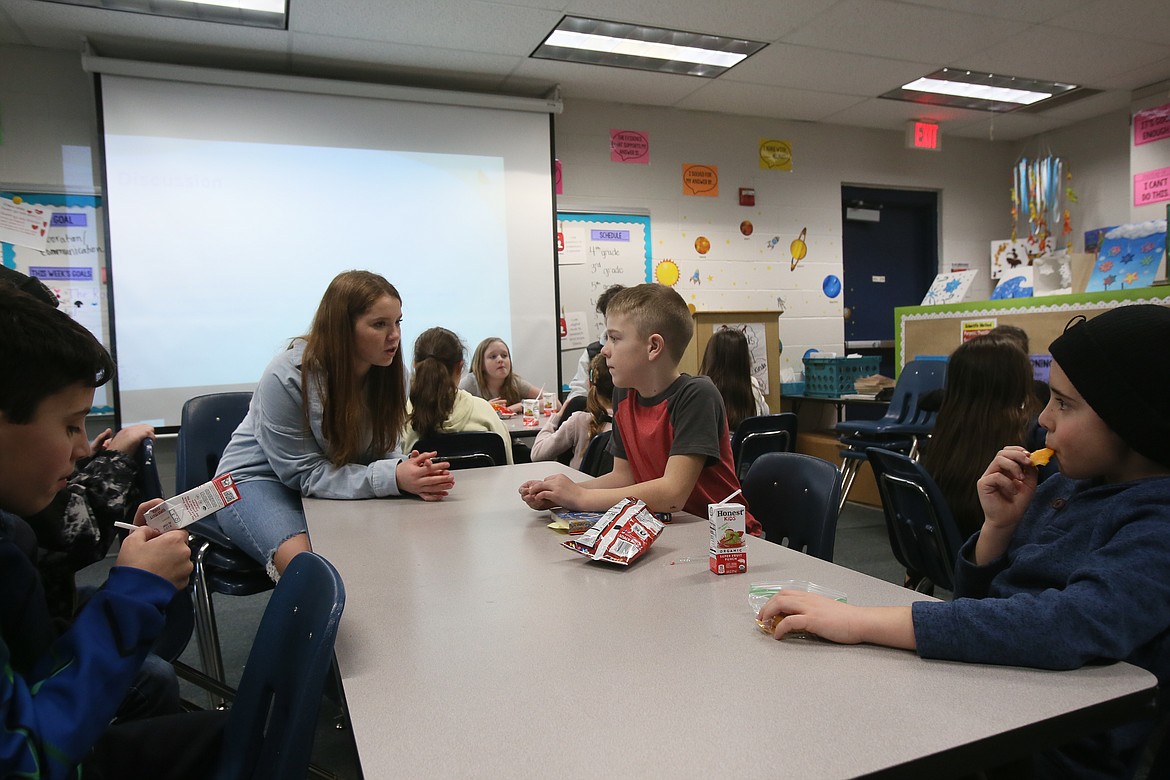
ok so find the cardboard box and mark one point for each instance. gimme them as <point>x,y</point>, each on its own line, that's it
<point>195,504</point>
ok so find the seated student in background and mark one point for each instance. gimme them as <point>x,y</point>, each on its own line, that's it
<point>491,376</point>
<point>670,442</point>
<point>1070,572</point>
<point>324,421</point>
<point>58,694</point>
<point>559,435</point>
<point>436,404</point>
<point>987,404</point>
<point>579,384</point>
<point>728,362</point>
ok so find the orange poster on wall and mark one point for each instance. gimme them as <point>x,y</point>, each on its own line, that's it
<point>700,180</point>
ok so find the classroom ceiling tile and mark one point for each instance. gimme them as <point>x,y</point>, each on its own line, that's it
<point>1002,127</point>
<point>1144,20</point>
<point>894,114</point>
<point>758,100</point>
<point>786,65</point>
<point>1041,53</point>
<point>888,29</point>
<point>437,64</point>
<point>1028,11</point>
<point>614,85</point>
<point>468,25</point>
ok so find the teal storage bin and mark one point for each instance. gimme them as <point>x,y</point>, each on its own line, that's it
<point>830,377</point>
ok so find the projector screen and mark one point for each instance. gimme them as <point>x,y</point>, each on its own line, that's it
<point>231,208</point>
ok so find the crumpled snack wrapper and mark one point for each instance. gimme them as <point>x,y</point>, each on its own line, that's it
<point>621,536</point>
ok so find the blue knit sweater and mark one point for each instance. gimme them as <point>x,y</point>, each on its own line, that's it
<point>1086,578</point>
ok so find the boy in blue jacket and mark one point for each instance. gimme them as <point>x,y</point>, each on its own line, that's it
<point>1074,571</point>
<point>58,694</point>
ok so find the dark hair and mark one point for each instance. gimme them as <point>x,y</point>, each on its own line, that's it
<point>351,405</point>
<point>42,352</point>
<point>988,404</point>
<point>600,396</point>
<point>656,308</point>
<point>438,354</point>
<point>604,298</point>
<point>728,362</point>
<point>29,284</point>
<point>510,388</point>
<point>1014,332</point>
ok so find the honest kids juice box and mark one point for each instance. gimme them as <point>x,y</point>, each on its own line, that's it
<point>728,550</point>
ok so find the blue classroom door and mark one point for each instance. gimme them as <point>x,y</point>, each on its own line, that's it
<point>886,263</point>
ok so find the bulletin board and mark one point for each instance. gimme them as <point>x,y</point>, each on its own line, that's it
<point>938,330</point>
<point>71,262</point>
<point>763,332</point>
<point>595,251</point>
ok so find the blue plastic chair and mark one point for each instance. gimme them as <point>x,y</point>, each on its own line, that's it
<point>923,534</point>
<point>794,496</point>
<point>900,429</point>
<point>760,434</point>
<point>466,449</point>
<point>207,424</point>
<point>272,722</point>
<point>597,459</point>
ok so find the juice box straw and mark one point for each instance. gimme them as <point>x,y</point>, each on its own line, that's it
<point>733,495</point>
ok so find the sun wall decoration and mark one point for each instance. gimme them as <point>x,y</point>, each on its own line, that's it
<point>667,273</point>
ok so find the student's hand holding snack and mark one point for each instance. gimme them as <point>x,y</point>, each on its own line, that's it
<point>166,555</point>
<point>1005,490</point>
<point>420,475</point>
<point>529,491</point>
<point>792,610</point>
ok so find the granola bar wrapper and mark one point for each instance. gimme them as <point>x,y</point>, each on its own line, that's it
<point>621,536</point>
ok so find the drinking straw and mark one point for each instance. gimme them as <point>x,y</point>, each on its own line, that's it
<point>733,495</point>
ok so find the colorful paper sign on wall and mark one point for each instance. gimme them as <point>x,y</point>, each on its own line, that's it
<point>700,180</point>
<point>629,146</point>
<point>1151,187</point>
<point>974,328</point>
<point>1150,125</point>
<point>775,155</point>
<point>26,224</point>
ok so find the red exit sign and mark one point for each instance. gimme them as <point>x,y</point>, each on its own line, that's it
<point>923,135</point>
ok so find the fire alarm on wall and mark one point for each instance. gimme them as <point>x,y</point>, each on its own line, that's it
<point>747,196</point>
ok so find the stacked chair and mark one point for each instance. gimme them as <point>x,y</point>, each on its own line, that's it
<point>903,427</point>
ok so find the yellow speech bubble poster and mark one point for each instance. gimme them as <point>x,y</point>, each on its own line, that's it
<point>775,155</point>
<point>700,180</point>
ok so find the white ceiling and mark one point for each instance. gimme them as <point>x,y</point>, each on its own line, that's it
<point>825,62</point>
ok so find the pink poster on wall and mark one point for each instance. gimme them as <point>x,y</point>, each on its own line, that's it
<point>1150,125</point>
<point>1151,187</point>
<point>629,146</point>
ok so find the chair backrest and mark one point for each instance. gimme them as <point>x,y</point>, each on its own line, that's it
<point>466,449</point>
<point>760,434</point>
<point>270,726</point>
<point>597,459</point>
<point>148,482</point>
<point>795,497</point>
<point>918,378</point>
<point>207,424</point>
<point>923,534</point>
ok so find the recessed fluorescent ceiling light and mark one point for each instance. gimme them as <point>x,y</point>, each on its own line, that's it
<point>981,91</point>
<point>597,42</point>
<point>250,13</point>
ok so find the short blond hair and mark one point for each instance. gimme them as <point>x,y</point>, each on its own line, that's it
<point>656,308</point>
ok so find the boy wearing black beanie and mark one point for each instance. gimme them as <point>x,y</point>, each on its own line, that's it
<point>1072,571</point>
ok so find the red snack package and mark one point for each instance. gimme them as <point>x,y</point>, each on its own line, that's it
<point>622,534</point>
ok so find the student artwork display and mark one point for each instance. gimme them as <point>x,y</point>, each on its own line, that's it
<point>1016,284</point>
<point>1010,254</point>
<point>1041,192</point>
<point>1052,275</point>
<point>952,287</point>
<point>1129,256</point>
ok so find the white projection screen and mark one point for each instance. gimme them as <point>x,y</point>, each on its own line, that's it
<point>230,209</point>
